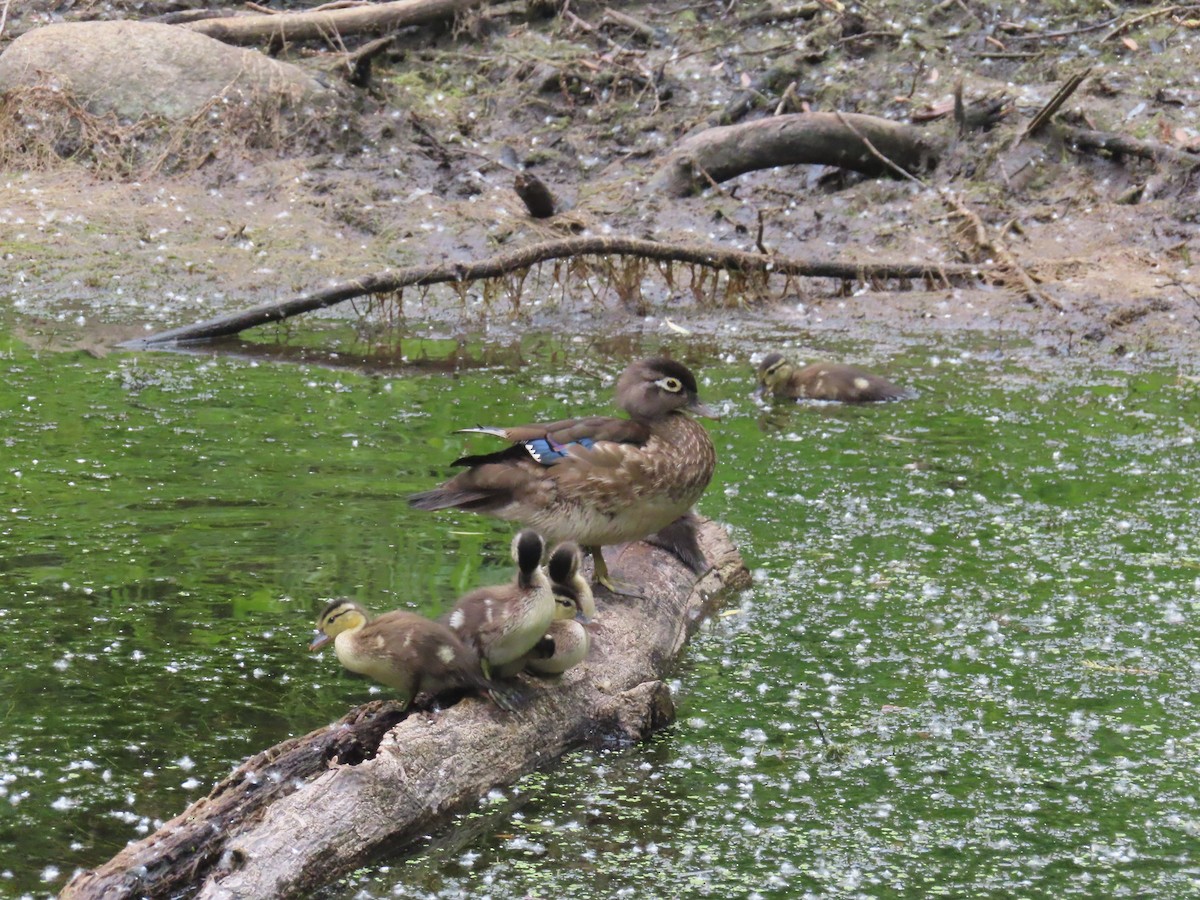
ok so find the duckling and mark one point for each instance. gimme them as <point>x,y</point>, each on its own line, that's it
<point>567,581</point>
<point>409,653</point>
<point>566,642</point>
<point>502,623</point>
<point>598,480</point>
<point>824,381</point>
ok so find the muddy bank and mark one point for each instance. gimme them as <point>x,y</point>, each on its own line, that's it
<point>592,106</point>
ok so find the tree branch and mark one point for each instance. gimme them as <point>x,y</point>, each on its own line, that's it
<point>315,25</point>
<point>387,282</point>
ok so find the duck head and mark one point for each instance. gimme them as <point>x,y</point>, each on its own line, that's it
<point>773,373</point>
<point>338,616</point>
<point>528,547</point>
<point>653,388</point>
<point>572,594</point>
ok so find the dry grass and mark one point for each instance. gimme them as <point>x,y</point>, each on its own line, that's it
<point>43,126</point>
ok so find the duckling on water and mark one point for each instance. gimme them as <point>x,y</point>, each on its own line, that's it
<point>409,653</point>
<point>502,623</point>
<point>824,381</point>
<point>597,480</point>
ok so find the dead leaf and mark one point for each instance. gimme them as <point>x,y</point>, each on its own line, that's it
<point>679,329</point>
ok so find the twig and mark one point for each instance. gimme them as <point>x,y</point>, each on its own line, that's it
<point>4,16</point>
<point>960,110</point>
<point>1007,260</point>
<point>883,158</point>
<point>789,98</point>
<point>1046,113</point>
<point>1123,27</point>
<point>358,63</point>
<point>1070,32</point>
<point>707,256</point>
<point>1033,54</point>
<point>637,26</point>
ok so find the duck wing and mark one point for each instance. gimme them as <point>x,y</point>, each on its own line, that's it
<point>530,467</point>
<point>551,443</point>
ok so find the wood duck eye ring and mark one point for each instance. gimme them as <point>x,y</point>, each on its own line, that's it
<point>671,384</point>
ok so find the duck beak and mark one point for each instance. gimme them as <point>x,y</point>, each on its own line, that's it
<point>583,618</point>
<point>701,410</point>
<point>320,639</point>
<point>760,391</point>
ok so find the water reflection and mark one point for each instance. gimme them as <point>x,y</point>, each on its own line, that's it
<point>965,666</point>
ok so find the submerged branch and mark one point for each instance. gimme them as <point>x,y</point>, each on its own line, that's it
<point>388,282</point>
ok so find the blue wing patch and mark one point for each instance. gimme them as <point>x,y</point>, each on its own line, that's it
<point>548,452</point>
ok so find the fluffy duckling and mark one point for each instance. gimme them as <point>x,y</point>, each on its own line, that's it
<point>597,480</point>
<point>567,581</point>
<point>502,623</point>
<point>824,381</point>
<point>566,642</point>
<point>409,653</point>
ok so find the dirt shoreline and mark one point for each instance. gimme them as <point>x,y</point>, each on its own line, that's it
<point>94,261</point>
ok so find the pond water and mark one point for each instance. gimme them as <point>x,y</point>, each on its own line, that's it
<point>968,665</point>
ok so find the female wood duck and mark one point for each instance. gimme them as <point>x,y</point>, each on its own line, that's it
<point>596,480</point>
<point>502,623</point>
<point>566,641</point>
<point>415,656</point>
<point>824,381</point>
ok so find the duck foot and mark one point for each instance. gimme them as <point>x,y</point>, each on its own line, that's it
<point>506,697</point>
<point>602,578</point>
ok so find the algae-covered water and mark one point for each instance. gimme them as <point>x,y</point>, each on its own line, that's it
<point>968,666</point>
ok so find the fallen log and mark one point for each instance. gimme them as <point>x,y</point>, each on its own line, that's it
<point>1119,145</point>
<point>718,154</point>
<point>389,282</point>
<point>294,817</point>
<point>330,24</point>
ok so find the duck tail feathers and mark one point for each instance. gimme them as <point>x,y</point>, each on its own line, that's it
<point>449,498</point>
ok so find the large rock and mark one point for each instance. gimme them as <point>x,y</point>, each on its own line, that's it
<point>140,69</point>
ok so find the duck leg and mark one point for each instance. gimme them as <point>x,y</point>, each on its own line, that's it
<point>602,577</point>
<point>507,698</point>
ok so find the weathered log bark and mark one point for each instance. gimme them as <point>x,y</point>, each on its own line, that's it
<point>326,24</point>
<point>300,814</point>
<point>718,154</point>
<point>708,256</point>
